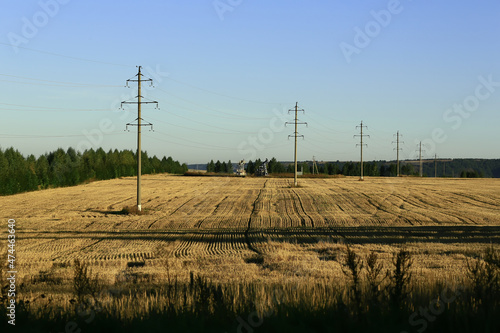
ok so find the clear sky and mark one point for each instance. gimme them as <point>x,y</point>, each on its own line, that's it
<point>225,72</point>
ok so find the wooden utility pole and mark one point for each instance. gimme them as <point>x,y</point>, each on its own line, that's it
<point>139,124</point>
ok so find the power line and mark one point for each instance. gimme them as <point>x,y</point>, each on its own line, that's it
<point>198,143</point>
<point>28,136</point>
<point>60,83</point>
<point>199,122</point>
<point>193,129</point>
<point>65,56</point>
<point>219,94</point>
<point>52,108</point>
<point>232,115</point>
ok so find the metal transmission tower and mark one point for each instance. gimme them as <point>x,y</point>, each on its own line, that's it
<point>295,134</point>
<point>139,79</point>
<point>420,158</point>
<point>361,145</point>
<point>397,149</point>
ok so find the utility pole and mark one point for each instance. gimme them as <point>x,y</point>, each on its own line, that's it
<point>296,134</point>
<point>397,152</point>
<point>435,166</point>
<point>361,145</point>
<point>139,124</point>
<point>315,166</point>
<point>420,154</point>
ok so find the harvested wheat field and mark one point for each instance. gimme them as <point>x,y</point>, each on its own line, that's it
<point>237,218</point>
<point>235,231</point>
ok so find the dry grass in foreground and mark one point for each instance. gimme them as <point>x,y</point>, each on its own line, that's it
<point>210,246</point>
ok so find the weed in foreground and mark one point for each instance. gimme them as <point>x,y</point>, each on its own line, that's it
<point>85,287</point>
<point>484,276</point>
<point>400,277</point>
<point>352,267</point>
<point>374,277</point>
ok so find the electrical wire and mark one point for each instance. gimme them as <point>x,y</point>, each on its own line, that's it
<point>192,129</point>
<point>28,136</point>
<point>59,83</point>
<point>66,56</point>
<point>233,116</point>
<point>46,108</point>
<point>219,94</point>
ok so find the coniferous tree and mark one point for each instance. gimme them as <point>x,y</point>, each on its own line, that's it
<point>218,166</point>
<point>250,168</point>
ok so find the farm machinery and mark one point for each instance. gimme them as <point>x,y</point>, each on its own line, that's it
<point>241,169</point>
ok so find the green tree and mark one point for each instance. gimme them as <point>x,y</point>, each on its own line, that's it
<point>407,169</point>
<point>156,165</point>
<point>275,167</point>
<point>211,166</point>
<point>32,179</point>
<point>333,169</point>
<point>250,167</point>
<point>127,163</point>
<point>42,171</point>
<point>218,166</point>
<point>4,173</point>
<point>59,166</point>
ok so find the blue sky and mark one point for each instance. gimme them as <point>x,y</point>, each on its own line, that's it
<point>226,71</point>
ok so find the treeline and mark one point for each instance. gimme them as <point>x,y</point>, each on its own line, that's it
<point>332,168</point>
<point>219,167</point>
<point>465,168</point>
<point>66,168</point>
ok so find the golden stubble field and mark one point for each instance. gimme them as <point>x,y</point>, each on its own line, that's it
<point>247,229</point>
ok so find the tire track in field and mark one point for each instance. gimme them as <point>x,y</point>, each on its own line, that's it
<point>473,199</point>
<point>112,206</point>
<point>68,253</point>
<point>212,215</point>
<point>349,200</point>
<point>254,206</point>
<point>185,203</point>
<point>303,210</point>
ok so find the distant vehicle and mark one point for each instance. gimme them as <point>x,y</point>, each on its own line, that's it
<point>241,169</point>
<point>262,170</point>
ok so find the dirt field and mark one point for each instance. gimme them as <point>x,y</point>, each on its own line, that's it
<point>218,226</point>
